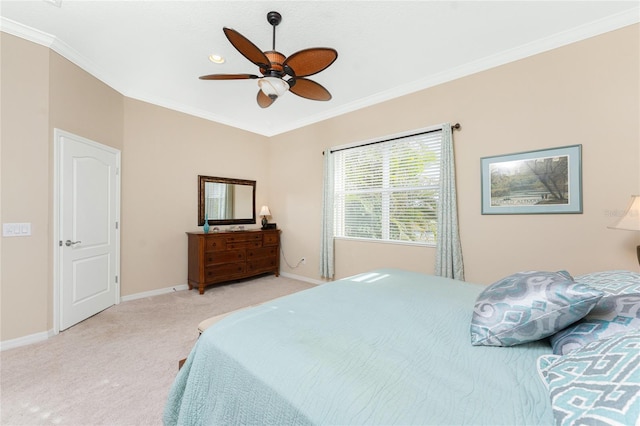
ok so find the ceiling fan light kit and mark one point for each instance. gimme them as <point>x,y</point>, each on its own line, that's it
<point>273,87</point>
<point>275,67</point>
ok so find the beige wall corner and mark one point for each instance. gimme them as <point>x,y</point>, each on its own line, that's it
<point>165,152</point>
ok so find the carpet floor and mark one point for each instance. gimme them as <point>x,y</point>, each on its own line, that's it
<point>116,368</point>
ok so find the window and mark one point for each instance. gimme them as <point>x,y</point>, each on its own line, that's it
<point>388,190</point>
<point>219,200</point>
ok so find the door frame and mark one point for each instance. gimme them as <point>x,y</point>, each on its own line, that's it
<point>58,134</point>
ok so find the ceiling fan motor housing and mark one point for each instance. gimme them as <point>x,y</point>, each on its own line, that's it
<point>277,60</point>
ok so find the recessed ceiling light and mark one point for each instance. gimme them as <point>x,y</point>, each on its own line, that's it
<point>216,59</point>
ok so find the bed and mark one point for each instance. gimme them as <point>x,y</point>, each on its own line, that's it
<point>393,347</point>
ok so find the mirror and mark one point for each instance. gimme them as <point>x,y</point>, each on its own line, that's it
<point>226,201</point>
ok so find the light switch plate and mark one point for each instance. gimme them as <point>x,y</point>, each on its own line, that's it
<point>16,229</point>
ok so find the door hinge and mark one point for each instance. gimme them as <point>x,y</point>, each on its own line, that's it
<point>117,171</point>
<point>116,279</point>
<point>60,243</point>
<point>116,225</point>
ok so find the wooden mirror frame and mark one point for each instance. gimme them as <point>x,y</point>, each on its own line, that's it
<point>202,180</point>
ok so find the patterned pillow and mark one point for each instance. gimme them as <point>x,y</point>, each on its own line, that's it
<point>611,315</point>
<point>617,312</point>
<point>529,306</point>
<point>613,282</point>
<point>598,384</point>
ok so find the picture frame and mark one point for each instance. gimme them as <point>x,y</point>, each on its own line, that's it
<point>546,181</point>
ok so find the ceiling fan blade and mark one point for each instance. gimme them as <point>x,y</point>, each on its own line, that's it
<point>246,48</point>
<point>227,77</point>
<point>309,89</point>
<point>310,61</point>
<point>263,100</point>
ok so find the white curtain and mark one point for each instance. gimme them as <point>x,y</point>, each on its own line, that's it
<point>448,248</point>
<point>326,239</point>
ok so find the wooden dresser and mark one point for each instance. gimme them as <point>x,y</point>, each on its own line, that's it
<point>217,257</point>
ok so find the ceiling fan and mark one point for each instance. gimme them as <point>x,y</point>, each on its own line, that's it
<point>275,67</point>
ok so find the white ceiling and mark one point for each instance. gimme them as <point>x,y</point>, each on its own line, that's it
<point>155,50</point>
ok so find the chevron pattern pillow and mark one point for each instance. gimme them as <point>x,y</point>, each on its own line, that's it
<point>598,384</point>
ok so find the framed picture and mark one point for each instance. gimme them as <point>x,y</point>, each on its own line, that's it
<point>534,182</point>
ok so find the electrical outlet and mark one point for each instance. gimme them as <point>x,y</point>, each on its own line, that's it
<point>303,260</point>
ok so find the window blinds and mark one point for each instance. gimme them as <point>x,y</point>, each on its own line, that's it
<point>388,190</point>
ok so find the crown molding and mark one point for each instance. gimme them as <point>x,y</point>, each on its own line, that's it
<point>63,49</point>
<point>19,30</point>
<point>592,29</point>
<point>583,32</point>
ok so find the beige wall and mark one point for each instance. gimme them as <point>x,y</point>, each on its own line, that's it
<point>162,153</point>
<point>41,91</point>
<point>587,93</point>
<point>24,291</point>
<point>165,152</point>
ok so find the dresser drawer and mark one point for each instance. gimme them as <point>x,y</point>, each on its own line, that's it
<point>262,252</point>
<point>270,239</point>
<point>220,257</point>
<point>223,272</point>
<point>241,238</point>
<point>243,244</point>
<point>262,264</point>
<point>215,244</point>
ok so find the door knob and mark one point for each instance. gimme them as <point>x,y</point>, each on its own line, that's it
<point>71,243</point>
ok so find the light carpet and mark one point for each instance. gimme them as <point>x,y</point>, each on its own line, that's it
<point>116,367</point>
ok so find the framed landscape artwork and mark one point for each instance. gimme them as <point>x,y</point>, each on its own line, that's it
<point>534,182</point>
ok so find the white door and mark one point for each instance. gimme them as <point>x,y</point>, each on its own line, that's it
<point>88,197</point>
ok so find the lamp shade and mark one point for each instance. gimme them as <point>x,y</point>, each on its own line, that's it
<point>264,211</point>
<point>273,86</point>
<point>630,220</point>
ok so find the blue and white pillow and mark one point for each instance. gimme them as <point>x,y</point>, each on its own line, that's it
<point>598,384</point>
<point>529,306</point>
<point>617,312</point>
<point>612,282</point>
<point>612,315</point>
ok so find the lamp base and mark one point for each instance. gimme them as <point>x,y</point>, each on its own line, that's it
<point>264,222</point>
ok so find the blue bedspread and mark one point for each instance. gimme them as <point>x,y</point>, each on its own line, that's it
<point>381,348</point>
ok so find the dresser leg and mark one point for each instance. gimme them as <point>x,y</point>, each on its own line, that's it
<point>201,289</point>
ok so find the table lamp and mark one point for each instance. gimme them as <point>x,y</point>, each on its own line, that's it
<point>630,220</point>
<point>264,212</point>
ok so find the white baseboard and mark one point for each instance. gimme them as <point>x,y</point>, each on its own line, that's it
<point>154,292</point>
<point>39,337</point>
<point>301,278</point>
<point>44,335</point>
<point>26,340</point>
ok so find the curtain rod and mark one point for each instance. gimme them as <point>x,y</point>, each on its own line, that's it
<point>453,127</point>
